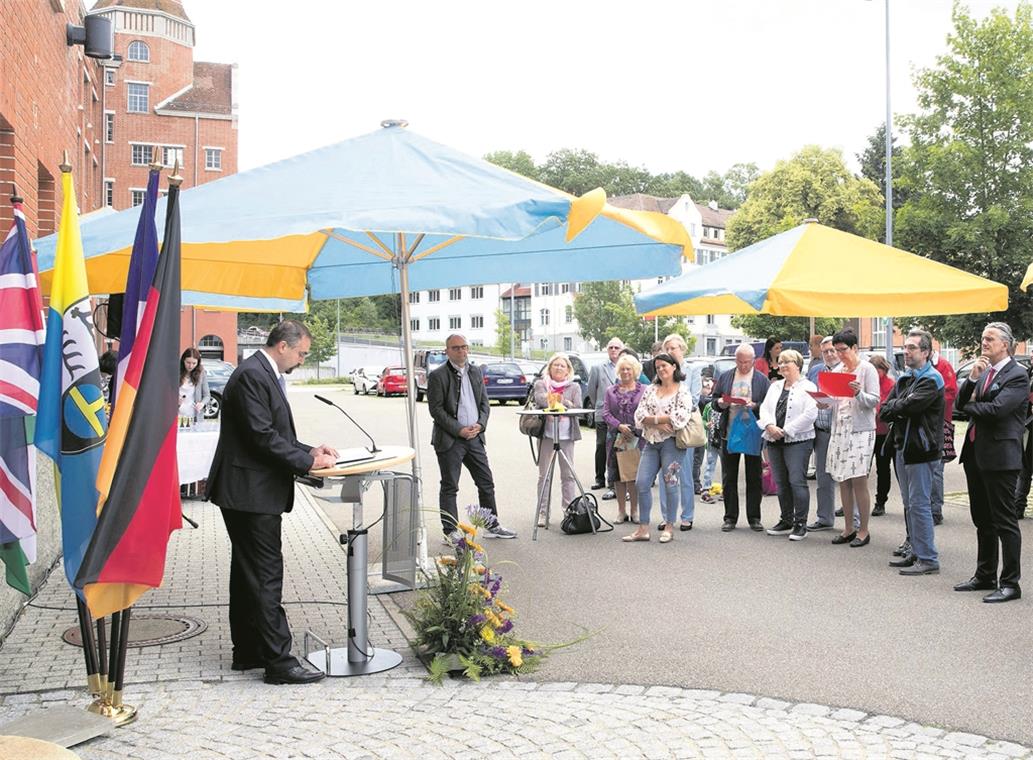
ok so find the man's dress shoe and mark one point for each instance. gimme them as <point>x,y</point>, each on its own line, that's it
<point>974,584</point>
<point>296,675</point>
<point>1003,594</point>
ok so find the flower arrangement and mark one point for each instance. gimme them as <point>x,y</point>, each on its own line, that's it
<point>460,620</point>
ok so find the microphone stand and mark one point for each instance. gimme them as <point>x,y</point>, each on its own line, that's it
<point>328,402</point>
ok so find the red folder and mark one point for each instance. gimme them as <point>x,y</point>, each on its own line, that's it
<point>836,383</point>
<point>727,399</point>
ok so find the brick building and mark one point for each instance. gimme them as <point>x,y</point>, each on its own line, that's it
<point>110,115</point>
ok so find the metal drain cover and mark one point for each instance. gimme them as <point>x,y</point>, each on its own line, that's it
<point>150,630</point>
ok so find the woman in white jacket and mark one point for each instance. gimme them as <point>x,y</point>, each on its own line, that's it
<point>787,419</point>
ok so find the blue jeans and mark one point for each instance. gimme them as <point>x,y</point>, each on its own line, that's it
<point>916,485</point>
<point>687,489</point>
<point>658,458</point>
<point>713,457</point>
<point>936,497</point>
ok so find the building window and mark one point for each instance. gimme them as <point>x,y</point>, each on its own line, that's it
<point>213,159</point>
<point>543,343</point>
<point>455,294</point>
<point>433,296</point>
<point>543,317</point>
<point>109,192</point>
<point>455,323</point>
<point>414,296</point>
<point>476,321</point>
<point>565,288</point>
<point>109,77</point>
<point>711,346</point>
<point>141,154</point>
<point>414,325</point>
<point>710,319</point>
<point>109,127</point>
<point>568,314</point>
<point>547,289</point>
<point>477,291</point>
<point>568,344</point>
<point>136,196</point>
<point>169,156</point>
<point>138,51</point>
<point>139,97</point>
<point>434,323</point>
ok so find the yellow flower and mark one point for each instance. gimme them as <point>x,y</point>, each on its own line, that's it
<point>479,569</point>
<point>468,529</point>
<point>516,658</point>
<point>478,588</point>
<point>447,561</point>
<point>489,635</point>
<point>503,606</point>
<point>494,619</point>
<point>476,547</point>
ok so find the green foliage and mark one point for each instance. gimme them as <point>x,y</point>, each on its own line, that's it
<point>323,341</point>
<point>607,309</point>
<point>519,161</point>
<point>461,622</point>
<point>969,169</point>
<point>873,167</point>
<point>814,183</point>
<point>503,333</point>
<point>379,313</point>
<point>764,326</point>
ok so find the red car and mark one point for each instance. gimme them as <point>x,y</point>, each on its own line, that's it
<point>392,382</point>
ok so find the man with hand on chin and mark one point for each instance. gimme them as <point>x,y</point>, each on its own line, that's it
<point>994,395</point>
<point>252,481</point>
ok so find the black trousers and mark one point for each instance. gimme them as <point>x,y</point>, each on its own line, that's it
<point>730,485</point>
<point>600,453</point>
<point>991,498</point>
<point>882,468</point>
<point>472,454</point>
<point>258,624</point>
<point>1025,478</point>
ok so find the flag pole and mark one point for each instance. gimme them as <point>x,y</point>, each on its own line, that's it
<point>93,681</point>
<point>116,630</point>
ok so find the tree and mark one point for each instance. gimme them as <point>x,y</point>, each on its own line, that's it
<point>873,167</point>
<point>728,189</point>
<point>503,332</point>
<point>970,165</point>
<point>607,309</point>
<point>519,161</point>
<point>324,342</point>
<point>814,183</point>
<point>764,326</point>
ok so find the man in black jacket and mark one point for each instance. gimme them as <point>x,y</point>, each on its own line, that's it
<point>459,407</point>
<point>252,480</point>
<point>914,410</point>
<point>995,396</point>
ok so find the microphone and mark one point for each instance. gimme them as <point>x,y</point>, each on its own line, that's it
<point>327,401</point>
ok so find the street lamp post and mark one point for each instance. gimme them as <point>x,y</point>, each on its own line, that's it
<point>889,177</point>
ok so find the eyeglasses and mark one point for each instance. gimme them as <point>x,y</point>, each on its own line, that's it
<point>464,347</point>
<point>842,350</point>
<point>912,347</point>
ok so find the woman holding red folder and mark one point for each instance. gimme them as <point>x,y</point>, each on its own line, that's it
<point>853,438</point>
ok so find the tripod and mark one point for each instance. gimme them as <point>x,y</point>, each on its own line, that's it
<point>554,458</point>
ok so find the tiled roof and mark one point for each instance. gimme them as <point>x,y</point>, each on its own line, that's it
<point>211,92</point>
<point>522,291</point>
<point>642,202</point>
<point>714,217</point>
<point>171,7</point>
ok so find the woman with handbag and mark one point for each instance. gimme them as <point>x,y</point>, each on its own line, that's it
<point>557,381</point>
<point>675,345</point>
<point>738,394</point>
<point>787,419</point>
<point>853,438</point>
<point>623,445</point>
<point>664,408</point>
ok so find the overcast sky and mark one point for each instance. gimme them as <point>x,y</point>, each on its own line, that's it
<point>693,85</point>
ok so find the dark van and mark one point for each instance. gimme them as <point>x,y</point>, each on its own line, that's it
<point>425,361</point>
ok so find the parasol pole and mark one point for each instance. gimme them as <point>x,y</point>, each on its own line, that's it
<point>401,261</point>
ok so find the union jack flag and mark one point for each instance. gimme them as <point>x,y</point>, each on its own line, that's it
<point>21,355</point>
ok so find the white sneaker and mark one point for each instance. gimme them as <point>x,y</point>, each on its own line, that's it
<point>497,531</point>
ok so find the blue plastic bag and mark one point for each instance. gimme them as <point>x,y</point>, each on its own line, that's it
<point>744,435</point>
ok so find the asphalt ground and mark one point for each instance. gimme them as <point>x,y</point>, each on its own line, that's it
<point>743,612</point>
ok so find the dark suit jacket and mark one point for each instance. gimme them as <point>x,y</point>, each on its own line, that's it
<point>999,416</point>
<point>758,390</point>
<point>258,453</point>
<point>443,400</point>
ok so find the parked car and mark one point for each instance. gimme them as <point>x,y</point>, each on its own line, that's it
<point>218,373</point>
<point>965,367</point>
<point>364,379</point>
<point>393,382</point>
<point>713,366</point>
<point>504,381</point>
<point>425,361</point>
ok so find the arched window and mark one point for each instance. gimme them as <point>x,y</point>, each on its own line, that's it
<point>211,347</point>
<point>138,51</point>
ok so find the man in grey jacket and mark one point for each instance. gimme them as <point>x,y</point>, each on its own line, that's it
<point>600,378</point>
<point>459,407</point>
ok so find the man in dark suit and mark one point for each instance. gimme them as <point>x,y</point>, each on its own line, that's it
<point>459,407</point>
<point>995,396</point>
<point>252,481</point>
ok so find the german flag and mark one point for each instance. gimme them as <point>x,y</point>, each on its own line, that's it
<point>138,480</point>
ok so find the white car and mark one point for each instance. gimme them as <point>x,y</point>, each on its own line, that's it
<point>364,380</point>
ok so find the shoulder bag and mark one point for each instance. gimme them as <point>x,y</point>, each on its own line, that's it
<point>581,514</point>
<point>531,424</point>
<point>694,434</point>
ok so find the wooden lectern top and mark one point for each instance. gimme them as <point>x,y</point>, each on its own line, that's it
<point>387,457</point>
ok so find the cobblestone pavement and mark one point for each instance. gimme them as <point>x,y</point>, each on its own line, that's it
<point>192,706</point>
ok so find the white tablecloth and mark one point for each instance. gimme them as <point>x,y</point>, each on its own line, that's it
<point>195,450</point>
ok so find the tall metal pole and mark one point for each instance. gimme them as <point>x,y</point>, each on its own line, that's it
<point>337,341</point>
<point>512,320</point>
<point>889,177</point>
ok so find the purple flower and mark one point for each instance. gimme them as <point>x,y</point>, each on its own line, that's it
<point>499,653</point>
<point>475,621</point>
<point>506,627</point>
